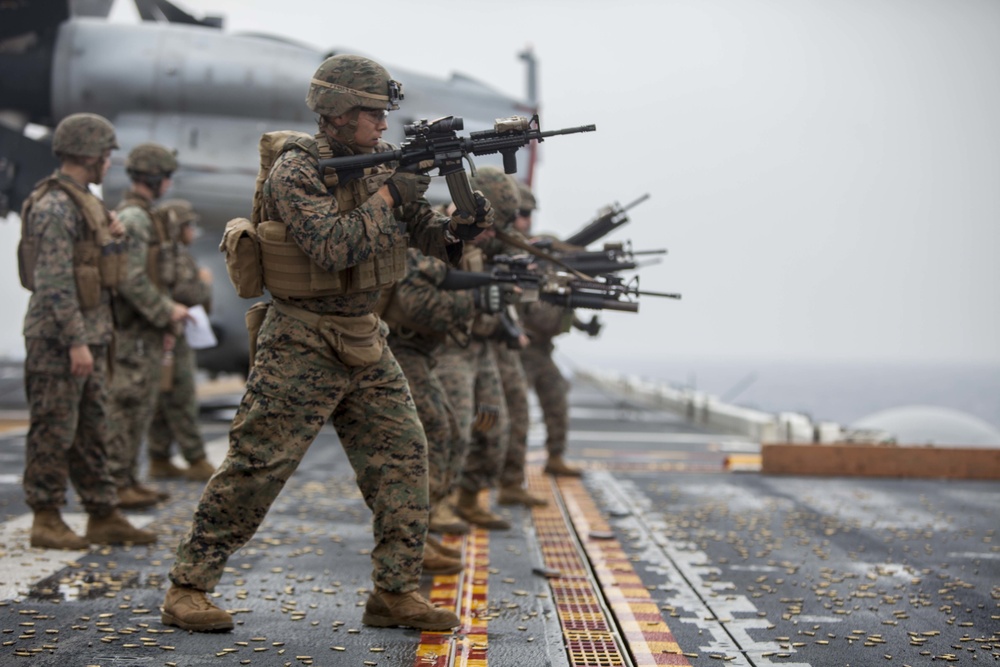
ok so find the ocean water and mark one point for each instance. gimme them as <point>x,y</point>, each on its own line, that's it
<point>825,391</point>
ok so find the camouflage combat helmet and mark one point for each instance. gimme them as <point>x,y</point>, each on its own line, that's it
<point>344,81</point>
<point>84,135</point>
<point>179,212</point>
<point>501,190</point>
<point>528,202</point>
<point>151,159</point>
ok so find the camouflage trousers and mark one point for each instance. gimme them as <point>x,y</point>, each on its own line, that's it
<point>135,386</point>
<point>296,385</point>
<point>471,381</point>
<point>551,387</point>
<point>175,417</point>
<point>67,437</point>
<point>437,417</point>
<point>515,390</point>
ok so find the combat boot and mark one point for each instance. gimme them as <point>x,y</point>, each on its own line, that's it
<point>130,498</point>
<point>557,466</point>
<point>150,491</point>
<point>199,471</point>
<point>190,609</point>
<point>436,562</point>
<point>444,520</point>
<point>515,494</point>
<point>164,469</point>
<point>115,529</point>
<point>49,531</point>
<point>389,610</point>
<point>468,508</point>
<point>447,551</point>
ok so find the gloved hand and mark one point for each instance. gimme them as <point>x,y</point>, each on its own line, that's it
<point>488,299</point>
<point>466,225</point>
<point>407,187</point>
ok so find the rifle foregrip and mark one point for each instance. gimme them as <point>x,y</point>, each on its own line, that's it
<point>456,280</point>
<point>461,192</point>
<point>592,302</point>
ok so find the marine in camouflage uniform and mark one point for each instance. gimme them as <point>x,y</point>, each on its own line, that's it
<point>147,319</point>
<point>175,418</point>
<point>420,316</point>
<point>321,356</point>
<point>506,190</point>
<point>69,256</point>
<point>542,322</point>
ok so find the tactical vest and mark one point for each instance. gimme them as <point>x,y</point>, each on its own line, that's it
<point>99,261</point>
<point>161,259</point>
<point>290,272</point>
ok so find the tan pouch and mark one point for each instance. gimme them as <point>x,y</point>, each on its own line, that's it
<point>255,320</point>
<point>357,341</point>
<point>239,243</point>
<point>27,255</point>
<point>88,286</point>
<point>113,264</point>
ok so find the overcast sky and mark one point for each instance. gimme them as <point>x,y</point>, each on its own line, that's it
<point>825,173</point>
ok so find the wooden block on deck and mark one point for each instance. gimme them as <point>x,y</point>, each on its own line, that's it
<point>847,459</point>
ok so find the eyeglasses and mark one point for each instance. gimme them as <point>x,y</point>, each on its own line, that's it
<point>377,115</point>
<point>524,212</point>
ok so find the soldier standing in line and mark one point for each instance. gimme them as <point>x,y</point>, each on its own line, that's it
<point>472,381</point>
<point>543,321</point>
<point>321,353</point>
<point>175,417</point>
<point>70,257</point>
<point>147,319</point>
<point>420,316</point>
<point>506,351</point>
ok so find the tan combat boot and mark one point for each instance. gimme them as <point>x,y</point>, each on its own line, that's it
<point>129,498</point>
<point>164,469</point>
<point>150,491</point>
<point>115,529</point>
<point>190,609</point>
<point>447,551</point>
<point>557,466</point>
<point>389,610</point>
<point>49,531</point>
<point>444,520</point>
<point>199,471</point>
<point>468,508</point>
<point>515,494</point>
<point>436,562</point>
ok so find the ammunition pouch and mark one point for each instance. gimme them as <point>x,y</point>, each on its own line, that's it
<point>87,274</point>
<point>239,242</point>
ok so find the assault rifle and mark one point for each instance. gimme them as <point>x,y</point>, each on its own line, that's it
<point>435,144</point>
<point>608,219</point>
<point>613,258</point>
<point>508,271</point>
<point>606,292</point>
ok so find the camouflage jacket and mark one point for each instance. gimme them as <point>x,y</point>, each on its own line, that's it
<point>139,297</point>
<point>296,195</point>
<point>54,311</point>
<point>189,288</point>
<point>424,305</point>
